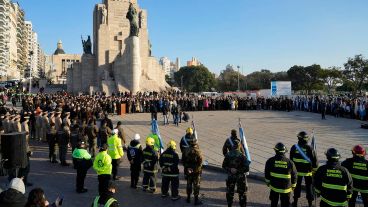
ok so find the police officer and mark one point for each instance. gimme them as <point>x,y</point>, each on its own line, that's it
<point>106,198</point>
<point>115,150</point>
<point>236,165</point>
<point>135,156</point>
<point>192,161</point>
<point>333,182</point>
<point>92,132</point>
<point>184,142</point>
<point>358,168</point>
<point>103,167</point>
<point>150,158</point>
<point>169,161</point>
<point>280,176</point>
<point>305,160</point>
<point>82,162</point>
<point>229,143</point>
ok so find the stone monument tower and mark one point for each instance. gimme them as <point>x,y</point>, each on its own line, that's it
<point>121,57</point>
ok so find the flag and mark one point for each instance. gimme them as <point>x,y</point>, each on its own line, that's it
<point>155,130</point>
<point>194,131</point>
<point>243,141</point>
<point>313,143</point>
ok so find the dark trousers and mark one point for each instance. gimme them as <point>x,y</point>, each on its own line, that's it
<point>134,176</point>
<point>193,184</point>
<point>355,195</point>
<point>23,172</point>
<point>284,198</point>
<point>92,146</point>
<point>149,180</point>
<point>166,180</point>
<point>63,149</point>
<point>308,187</point>
<point>81,176</point>
<point>115,165</point>
<point>52,153</point>
<point>103,183</point>
<point>241,184</point>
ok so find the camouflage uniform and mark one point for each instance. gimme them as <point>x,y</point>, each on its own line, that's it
<point>192,162</point>
<point>235,159</point>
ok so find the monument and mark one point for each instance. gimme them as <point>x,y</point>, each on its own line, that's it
<point>119,58</point>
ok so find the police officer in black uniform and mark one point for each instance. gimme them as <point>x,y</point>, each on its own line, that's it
<point>333,182</point>
<point>280,176</point>
<point>305,167</point>
<point>236,165</point>
<point>169,161</point>
<point>358,169</point>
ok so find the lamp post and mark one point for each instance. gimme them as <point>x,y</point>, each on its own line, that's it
<point>238,77</point>
<point>30,73</point>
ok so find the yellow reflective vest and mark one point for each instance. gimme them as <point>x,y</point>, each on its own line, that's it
<point>102,163</point>
<point>115,149</point>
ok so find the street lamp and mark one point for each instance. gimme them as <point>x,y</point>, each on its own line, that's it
<point>30,73</point>
<point>238,77</point>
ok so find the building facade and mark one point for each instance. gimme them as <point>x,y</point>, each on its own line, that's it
<point>4,37</point>
<point>194,62</point>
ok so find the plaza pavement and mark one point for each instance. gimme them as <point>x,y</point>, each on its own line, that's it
<point>263,129</point>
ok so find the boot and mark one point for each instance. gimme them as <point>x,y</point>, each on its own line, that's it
<point>188,198</point>
<point>310,203</point>
<point>229,204</point>
<point>295,203</point>
<point>197,202</point>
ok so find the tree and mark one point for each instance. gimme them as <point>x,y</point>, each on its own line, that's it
<point>331,77</point>
<point>228,79</point>
<point>169,80</point>
<point>195,79</point>
<point>355,73</point>
<point>259,80</point>
<point>280,76</point>
<point>305,78</point>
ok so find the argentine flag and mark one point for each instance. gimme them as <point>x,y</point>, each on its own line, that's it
<point>244,141</point>
<point>194,131</point>
<point>155,130</point>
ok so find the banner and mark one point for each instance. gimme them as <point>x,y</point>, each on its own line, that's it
<point>194,130</point>
<point>281,88</point>
<point>243,141</point>
<point>155,130</point>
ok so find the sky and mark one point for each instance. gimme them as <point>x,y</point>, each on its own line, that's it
<point>252,34</point>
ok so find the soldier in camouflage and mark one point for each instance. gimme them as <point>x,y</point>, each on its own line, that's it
<point>236,165</point>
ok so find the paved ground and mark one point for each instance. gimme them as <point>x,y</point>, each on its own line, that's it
<point>263,130</point>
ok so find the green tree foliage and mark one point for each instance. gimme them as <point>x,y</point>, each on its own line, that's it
<point>305,78</point>
<point>228,80</point>
<point>331,78</point>
<point>195,79</point>
<point>355,73</point>
<point>259,80</point>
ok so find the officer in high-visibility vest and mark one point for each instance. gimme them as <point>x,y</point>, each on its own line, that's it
<point>305,160</point>
<point>280,176</point>
<point>115,150</point>
<point>150,158</point>
<point>358,168</point>
<point>106,199</point>
<point>82,162</point>
<point>333,182</point>
<point>102,165</point>
<point>169,161</point>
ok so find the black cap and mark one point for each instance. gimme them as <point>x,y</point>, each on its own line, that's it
<point>280,148</point>
<point>332,154</point>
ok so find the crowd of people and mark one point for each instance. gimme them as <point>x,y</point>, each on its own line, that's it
<point>83,123</point>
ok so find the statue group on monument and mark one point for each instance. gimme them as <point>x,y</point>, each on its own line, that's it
<point>87,45</point>
<point>132,15</point>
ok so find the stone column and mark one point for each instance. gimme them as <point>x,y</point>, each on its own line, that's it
<point>135,63</point>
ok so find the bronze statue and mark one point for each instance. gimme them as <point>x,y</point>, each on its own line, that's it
<point>87,45</point>
<point>132,15</point>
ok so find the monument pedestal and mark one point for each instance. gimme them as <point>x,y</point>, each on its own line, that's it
<point>135,63</point>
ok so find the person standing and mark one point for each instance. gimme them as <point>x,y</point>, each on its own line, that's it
<point>169,161</point>
<point>92,132</point>
<point>121,133</point>
<point>305,160</point>
<point>229,143</point>
<point>184,142</point>
<point>23,172</point>
<point>82,162</point>
<point>115,150</point>
<point>38,123</point>
<point>103,167</point>
<point>280,176</point>
<point>52,140</point>
<point>44,122</point>
<point>135,156</point>
<point>358,168</point>
<point>323,109</point>
<point>58,120</point>
<point>333,182</point>
<point>63,137</point>
<point>150,158</point>
<point>192,162</point>
<point>236,166</point>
